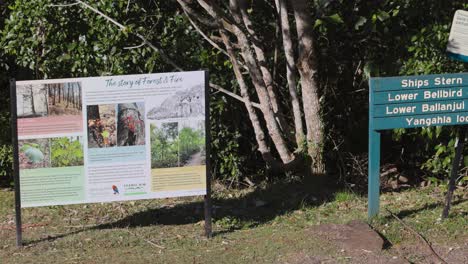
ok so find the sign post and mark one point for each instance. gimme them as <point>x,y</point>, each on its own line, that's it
<point>208,205</point>
<point>16,177</point>
<point>410,102</point>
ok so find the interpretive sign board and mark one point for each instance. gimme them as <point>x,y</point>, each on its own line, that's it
<point>112,138</point>
<point>457,47</point>
<point>409,102</point>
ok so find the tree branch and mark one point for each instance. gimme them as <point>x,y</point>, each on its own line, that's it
<point>233,95</point>
<point>64,5</point>
<point>183,5</point>
<point>200,18</point>
<point>124,28</point>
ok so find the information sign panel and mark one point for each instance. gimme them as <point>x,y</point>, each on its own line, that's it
<point>112,138</point>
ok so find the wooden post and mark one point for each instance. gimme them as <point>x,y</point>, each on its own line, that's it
<point>14,142</point>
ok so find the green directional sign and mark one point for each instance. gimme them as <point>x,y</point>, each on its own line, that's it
<point>408,102</point>
<point>418,101</point>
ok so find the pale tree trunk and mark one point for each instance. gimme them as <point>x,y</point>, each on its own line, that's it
<point>259,135</point>
<point>291,71</point>
<point>245,52</point>
<point>273,127</point>
<point>239,10</point>
<point>268,114</point>
<point>307,66</point>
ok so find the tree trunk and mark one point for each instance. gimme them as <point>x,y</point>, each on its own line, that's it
<point>241,6</point>
<point>307,66</point>
<point>291,71</point>
<point>93,112</point>
<point>33,109</point>
<point>55,92</point>
<point>259,135</point>
<point>73,96</point>
<point>68,95</point>
<point>79,97</point>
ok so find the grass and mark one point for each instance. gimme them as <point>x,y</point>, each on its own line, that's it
<point>262,225</point>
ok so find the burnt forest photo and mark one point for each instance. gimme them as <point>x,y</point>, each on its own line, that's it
<point>31,100</point>
<point>101,126</point>
<point>64,98</point>
<point>130,126</point>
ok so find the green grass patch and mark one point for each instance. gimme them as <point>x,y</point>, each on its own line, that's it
<point>266,224</point>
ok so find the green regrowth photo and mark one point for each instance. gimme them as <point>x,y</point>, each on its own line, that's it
<point>66,152</point>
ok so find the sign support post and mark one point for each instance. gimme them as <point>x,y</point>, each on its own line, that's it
<point>374,173</point>
<point>454,172</point>
<point>14,137</point>
<point>373,184</point>
<point>208,207</point>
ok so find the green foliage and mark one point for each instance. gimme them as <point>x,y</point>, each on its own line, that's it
<point>6,160</point>
<point>427,55</point>
<point>164,145</point>
<point>5,145</point>
<point>173,148</point>
<point>383,38</point>
<point>191,141</point>
<point>66,152</point>
<point>345,196</point>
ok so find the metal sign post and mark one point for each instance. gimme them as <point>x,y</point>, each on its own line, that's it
<point>14,137</point>
<point>409,102</point>
<point>208,205</point>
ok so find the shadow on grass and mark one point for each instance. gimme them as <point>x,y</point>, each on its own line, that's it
<point>405,213</point>
<point>255,208</point>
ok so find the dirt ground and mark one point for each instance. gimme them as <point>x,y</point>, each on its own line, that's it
<point>358,245</point>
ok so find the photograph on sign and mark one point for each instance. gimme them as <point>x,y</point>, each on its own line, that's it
<point>177,127</point>
<point>130,124</point>
<point>102,126</point>
<point>144,138</point>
